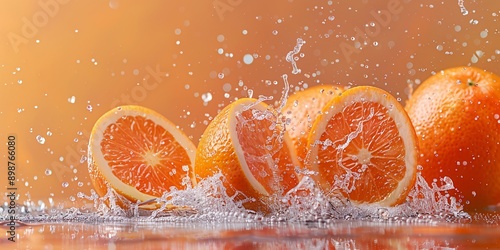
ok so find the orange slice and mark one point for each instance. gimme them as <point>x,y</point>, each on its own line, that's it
<point>301,110</point>
<point>364,145</point>
<point>245,143</point>
<point>138,153</point>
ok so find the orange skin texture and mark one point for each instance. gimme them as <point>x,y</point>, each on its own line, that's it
<point>216,153</point>
<point>302,108</point>
<point>455,114</point>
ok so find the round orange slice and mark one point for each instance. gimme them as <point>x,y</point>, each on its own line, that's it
<point>138,153</point>
<point>249,147</point>
<point>364,146</point>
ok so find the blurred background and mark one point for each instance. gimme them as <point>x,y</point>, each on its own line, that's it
<point>63,63</point>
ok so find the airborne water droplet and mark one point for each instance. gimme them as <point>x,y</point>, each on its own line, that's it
<point>40,139</point>
<point>207,97</point>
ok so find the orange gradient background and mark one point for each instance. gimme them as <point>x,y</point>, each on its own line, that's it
<point>65,63</point>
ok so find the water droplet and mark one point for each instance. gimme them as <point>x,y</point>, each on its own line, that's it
<point>83,159</point>
<point>226,87</point>
<point>473,21</point>
<point>483,34</point>
<point>48,172</point>
<point>207,97</point>
<point>89,108</point>
<point>113,4</point>
<point>463,10</point>
<point>72,99</point>
<point>65,184</point>
<point>220,38</point>
<point>40,139</point>
<point>248,59</point>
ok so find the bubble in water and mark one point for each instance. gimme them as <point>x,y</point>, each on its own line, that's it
<point>65,184</point>
<point>72,99</point>
<point>439,47</point>
<point>40,139</point>
<point>89,108</point>
<point>48,172</point>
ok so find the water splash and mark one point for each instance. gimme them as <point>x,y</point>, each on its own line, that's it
<point>434,198</point>
<point>284,97</point>
<point>463,10</point>
<point>208,202</point>
<point>290,56</point>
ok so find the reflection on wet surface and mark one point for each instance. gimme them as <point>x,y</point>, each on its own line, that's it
<point>334,235</point>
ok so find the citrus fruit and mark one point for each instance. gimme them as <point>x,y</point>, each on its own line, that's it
<point>138,153</point>
<point>456,114</point>
<point>363,145</point>
<point>301,110</point>
<point>245,143</point>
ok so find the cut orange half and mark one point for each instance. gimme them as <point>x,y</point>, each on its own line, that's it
<point>364,145</point>
<point>301,110</point>
<point>138,153</point>
<point>245,143</point>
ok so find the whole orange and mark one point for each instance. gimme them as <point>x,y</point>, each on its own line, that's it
<point>456,115</point>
